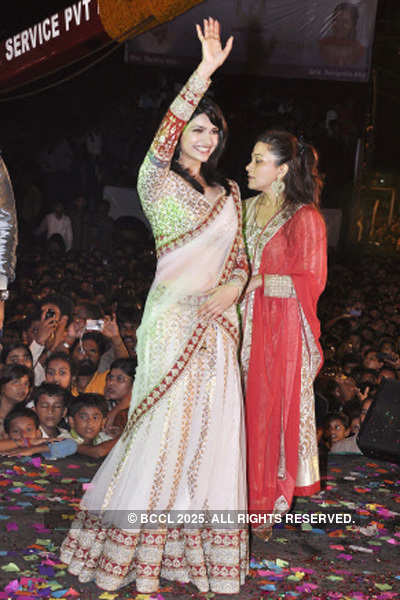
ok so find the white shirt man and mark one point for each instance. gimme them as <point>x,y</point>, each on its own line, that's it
<point>57,222</point>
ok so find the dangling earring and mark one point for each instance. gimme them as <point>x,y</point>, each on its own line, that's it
<point>277,187</point>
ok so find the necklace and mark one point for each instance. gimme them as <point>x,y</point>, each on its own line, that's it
<point>264,201</point>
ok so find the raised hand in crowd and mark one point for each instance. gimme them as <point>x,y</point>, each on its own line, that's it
<point>111,331</point>
<point>46,330</point>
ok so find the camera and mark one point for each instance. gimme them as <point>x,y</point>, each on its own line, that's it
<point>94,324</point>
<point>50,314</point>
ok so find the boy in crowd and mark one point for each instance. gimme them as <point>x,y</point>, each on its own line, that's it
<point>22,427</point>
<point>338,433</point>
<point>86,416</point>
<point>50,401</point>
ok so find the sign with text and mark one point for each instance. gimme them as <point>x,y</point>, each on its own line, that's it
<point>279,38</point>
<point>49,43</point>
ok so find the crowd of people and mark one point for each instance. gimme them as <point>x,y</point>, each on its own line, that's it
<point>70,382</point>
<point>360,333</point>
<point>69,346</point>
<point>361,346</point>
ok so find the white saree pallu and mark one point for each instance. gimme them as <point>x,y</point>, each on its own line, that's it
<point>183,448</point>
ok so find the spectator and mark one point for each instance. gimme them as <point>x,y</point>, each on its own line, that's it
<point>24,437</point>
<point>59,370</point>
<point>50,401</point>
<point>57,222</point>
<point>118,390</point>
<point>85,356</point>
<point>17,354</point>
<point>86,418</point>
<point>15,385</point>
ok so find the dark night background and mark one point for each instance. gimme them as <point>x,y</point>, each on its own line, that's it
<point>111,90</point>
<point>44,141</point>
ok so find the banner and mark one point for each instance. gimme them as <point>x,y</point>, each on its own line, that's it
<point>78,31</point>
<point>50,43</point>
<point>310,39</point>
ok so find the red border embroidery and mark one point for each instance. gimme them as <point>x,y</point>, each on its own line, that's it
<point>156,394</point>
<point>185,237</point>
<point>231,329</point>
<point>172,375</point>
<point>167,136</point>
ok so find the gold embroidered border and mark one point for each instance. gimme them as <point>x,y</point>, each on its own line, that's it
<point>160,470</point>
<point>157,392</point>
<point>193,471</point>
<point>183,444</point>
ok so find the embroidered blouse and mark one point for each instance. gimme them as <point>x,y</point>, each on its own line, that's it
<point>173,207</point>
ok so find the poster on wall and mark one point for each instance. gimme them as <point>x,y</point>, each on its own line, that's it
<point>310,39</point>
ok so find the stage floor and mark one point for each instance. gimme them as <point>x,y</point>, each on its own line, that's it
<point>355,561</point>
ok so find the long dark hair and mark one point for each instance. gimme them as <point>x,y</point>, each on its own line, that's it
<point>12,372</point>
<point>303,182</point>
<point>10,347</point>
<point>209,169</point>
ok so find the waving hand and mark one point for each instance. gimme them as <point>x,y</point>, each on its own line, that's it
<point>213,54</point>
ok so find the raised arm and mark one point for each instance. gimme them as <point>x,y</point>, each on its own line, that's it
<point>156,164</point>
<point>155,167</point>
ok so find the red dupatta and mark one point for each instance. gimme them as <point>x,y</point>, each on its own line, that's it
<point>285,334</point>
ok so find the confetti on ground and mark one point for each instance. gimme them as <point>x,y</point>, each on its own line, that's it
<point>354,560</point>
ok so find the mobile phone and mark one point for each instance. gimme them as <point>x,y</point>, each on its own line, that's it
<point>94,324</point>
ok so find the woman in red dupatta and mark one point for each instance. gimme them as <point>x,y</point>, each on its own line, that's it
<point>281,355</point>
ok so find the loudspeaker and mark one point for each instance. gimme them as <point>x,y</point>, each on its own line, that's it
<point>379,435</point>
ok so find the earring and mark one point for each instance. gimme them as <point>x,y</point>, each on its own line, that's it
<point>278,187</point>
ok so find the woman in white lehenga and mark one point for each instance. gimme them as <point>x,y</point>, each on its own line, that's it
<point>183,447</point>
